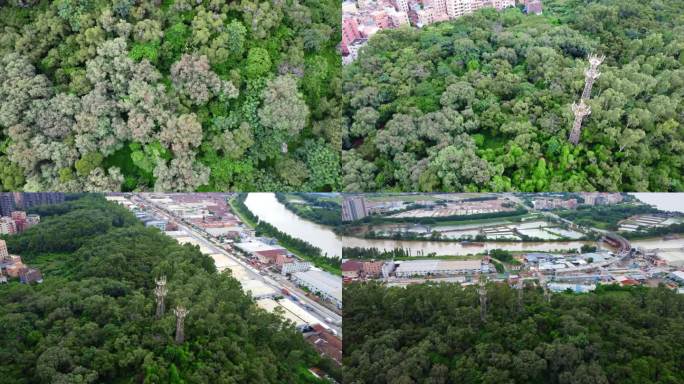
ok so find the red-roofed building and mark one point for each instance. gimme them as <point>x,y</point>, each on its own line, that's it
<point>372,268</point>
<point>326,343</point>
<point>350,32</point>
<point>31,275</point>
<point>270,256</point>
<point>284,259</point>
<point>16,269</point>
<point>382,19</point>
<point>352,269</point>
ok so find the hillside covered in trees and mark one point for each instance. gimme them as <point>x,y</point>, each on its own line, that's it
<point>93,320</point>
<point>483,102</point>
<point>172,95</point>
<point>434,334</point>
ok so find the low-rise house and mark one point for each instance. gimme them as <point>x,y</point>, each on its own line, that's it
<point>270,256</point>
<point>15,270</point>
<point>31,275</point>
<point>352,269</point>
<point>372,268</point>
<point>284,259</point>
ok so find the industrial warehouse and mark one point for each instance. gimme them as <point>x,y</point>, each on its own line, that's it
<point>410,268</point>
<point>320,283</point>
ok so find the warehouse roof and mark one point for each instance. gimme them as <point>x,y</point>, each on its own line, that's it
<point>410,266</point>
<point>323,281</point>
<point>256,246</point>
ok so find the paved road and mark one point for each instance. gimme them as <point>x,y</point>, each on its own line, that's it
<point>276,282</point>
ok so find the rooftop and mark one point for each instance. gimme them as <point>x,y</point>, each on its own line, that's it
<point>323,281</point>
<point>256,246</point>
<point>352,265</point>
<point>437,265</point>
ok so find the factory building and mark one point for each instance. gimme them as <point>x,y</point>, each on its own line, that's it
<point>677,276</point>
<point>411,268</point>
<point>296,266</point>
<point>322,283</point>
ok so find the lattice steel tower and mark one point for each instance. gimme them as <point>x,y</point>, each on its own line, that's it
<point>545,287</point>
<point>160,292</point>
<point>482,289</point>
<point>520,286</point>
<point>582,109</point>
<point>180,313</point>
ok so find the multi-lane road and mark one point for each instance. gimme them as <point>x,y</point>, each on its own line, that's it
<point>275,281</point>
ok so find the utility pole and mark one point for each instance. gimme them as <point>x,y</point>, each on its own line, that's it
<point>160,292</point>
<point>547,294</point>
<point>520,286</point>
<point>544,285</point>
<point>591,74</point>
<point>482,289</point>
<point>582,109</point>
<point>180,313</point>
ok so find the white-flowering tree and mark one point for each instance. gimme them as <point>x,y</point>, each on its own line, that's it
<point>193,78</point>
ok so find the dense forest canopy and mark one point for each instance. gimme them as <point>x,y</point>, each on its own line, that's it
<point>483,102</point>
<point>169,95</point>
<point>93,318</point>
<point>433,334</point>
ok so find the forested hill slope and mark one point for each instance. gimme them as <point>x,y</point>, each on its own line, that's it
<point>175,95</point>
<point>428,334</point>
<point>93,318</point>
<point>483,102</point>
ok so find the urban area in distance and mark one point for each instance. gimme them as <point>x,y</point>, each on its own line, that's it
<point>361,19</point>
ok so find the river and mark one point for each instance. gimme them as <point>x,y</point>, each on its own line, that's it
<point>459,249</point>
<point>269,209</point>
<point>663,201</point>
